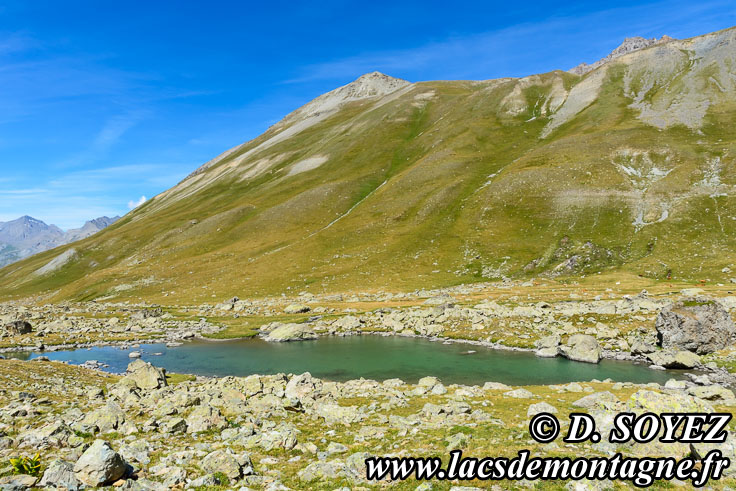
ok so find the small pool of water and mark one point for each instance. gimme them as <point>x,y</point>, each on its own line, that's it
<point>372,357</point>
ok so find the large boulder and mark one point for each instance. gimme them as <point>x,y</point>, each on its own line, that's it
<point>296,308</point>
<point>303,388</point>
<point>18,327</point>
<point>598,400</point>
<point>145,376</point>
<point>547,347</point>
<point>17,482</point>
<point>221,461</point>
<point>641,347</point>
<point>674,359</point>
<point>60,475</point>
<point>701,326</point>
<point>716,393</point>
<point>290,332</point>
<point>100,465</point>
<point>107,418</point>
<point>581,347</point>
<point>54,434</point>
<point>205,418</point>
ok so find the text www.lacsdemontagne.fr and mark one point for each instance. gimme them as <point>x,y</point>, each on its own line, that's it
<point>639,471</point>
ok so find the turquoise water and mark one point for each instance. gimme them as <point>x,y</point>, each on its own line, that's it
<point>373,357</point>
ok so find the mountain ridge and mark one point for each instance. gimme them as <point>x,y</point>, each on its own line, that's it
<point>629,45</point>
<point>26,236</point>
<point>625,170</point>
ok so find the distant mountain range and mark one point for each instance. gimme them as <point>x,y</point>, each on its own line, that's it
<point>27,236</point>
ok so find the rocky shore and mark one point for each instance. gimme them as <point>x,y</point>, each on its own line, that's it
<point>146,429</point>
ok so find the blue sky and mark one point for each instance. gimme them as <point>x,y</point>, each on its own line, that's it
<point>102,103</point>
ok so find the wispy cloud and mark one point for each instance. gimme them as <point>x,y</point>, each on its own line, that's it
<point>114,129</point>
<point>137,203</point>
<point>109,134</point>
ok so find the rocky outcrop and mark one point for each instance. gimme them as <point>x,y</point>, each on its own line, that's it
<point>629,45</point>
<point>701,326</point>
<point>581,347</point>
<point>18,327</point>
<point>300,430</point>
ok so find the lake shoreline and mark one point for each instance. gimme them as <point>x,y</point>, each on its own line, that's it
<point>331,359</point>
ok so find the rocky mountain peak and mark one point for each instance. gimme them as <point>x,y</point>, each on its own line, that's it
<point>369,85</point>
<point>629,45</point>
<point>373,84</point>
<point>26,236</point>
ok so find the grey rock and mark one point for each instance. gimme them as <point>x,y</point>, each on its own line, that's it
<point>334,413</point>
<point>547,352</point>
<point>107,418</point>
<point>336,448</point>
<point>716,393</point>
<point>675,384</point>
<point>302,387</point>
<point>136,451</point>
<point>291,332</point>
<point>519,394</point>
<point>629,45</point>
<point>296,308</point>
<point>60,474</point>
<point>18,327</point>
<point>142,485</point>
<point>598,400</point>
<point>100,465</point>
<point>221,461</point>
<point>701,326</point>
<point>640,347</point>
<point>19,483</point>
<point>551,341</point>
<point>205,418</point>
<point>207,481</point>
<point>176,425</point>
<point>54,434</point>
<point>145,376</point>
<point>496,386</point>
<point>581,347</point>
<point>674,359</point>
<point>174,476</point>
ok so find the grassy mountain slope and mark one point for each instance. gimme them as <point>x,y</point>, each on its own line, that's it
<point>386,184</point>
